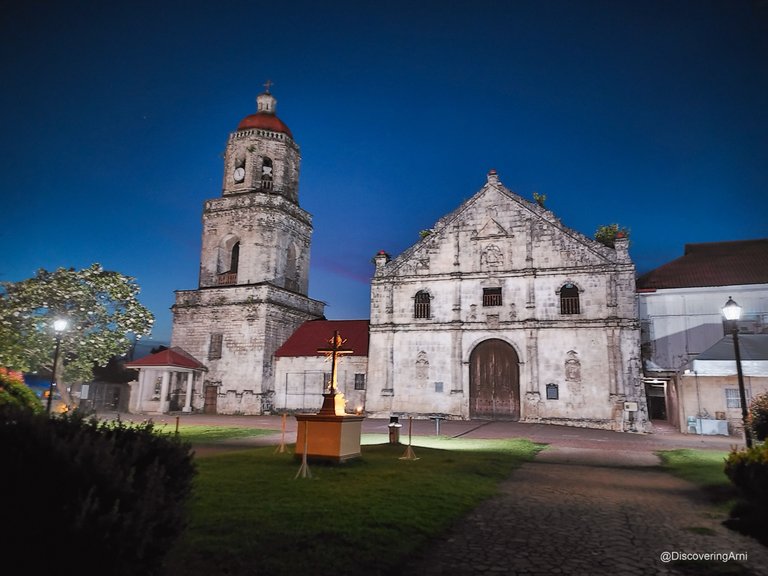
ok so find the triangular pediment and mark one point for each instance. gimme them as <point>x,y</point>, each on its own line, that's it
<point>491,229</point>
<point>496,230</point>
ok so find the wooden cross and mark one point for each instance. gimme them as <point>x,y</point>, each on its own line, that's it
<point>268,85</point>
<point>333,352</point>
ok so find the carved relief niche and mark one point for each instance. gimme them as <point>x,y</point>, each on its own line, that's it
<point>421,366</point>
<point>572,367</point>
<point>491,258</point>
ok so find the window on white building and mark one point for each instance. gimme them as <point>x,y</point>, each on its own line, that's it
<point>732,398</point>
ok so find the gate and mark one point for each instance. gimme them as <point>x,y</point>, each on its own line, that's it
<point>494,381</point>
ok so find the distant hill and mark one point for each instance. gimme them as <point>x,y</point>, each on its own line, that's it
<point>145,347</point>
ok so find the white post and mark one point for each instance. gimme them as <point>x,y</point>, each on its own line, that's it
<point>164,392</point>
<point>139,402</point>
<point>188,401</point>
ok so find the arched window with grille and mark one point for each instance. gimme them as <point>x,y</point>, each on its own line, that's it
<point>569,299</point>
<point>421,304</point>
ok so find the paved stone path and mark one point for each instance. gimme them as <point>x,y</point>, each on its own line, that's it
<point>591,512</point>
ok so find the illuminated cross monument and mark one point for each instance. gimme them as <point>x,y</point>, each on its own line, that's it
<point>331,434</point>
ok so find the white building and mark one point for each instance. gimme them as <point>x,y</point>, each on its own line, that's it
<point>302,374</point>
<point>680,306</point>
<point>709,396</point>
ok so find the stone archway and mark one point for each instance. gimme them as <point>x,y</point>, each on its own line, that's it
<point>494,381</point>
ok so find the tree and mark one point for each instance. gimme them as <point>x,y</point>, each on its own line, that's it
<point>102,311</point>
<point>14,392</point>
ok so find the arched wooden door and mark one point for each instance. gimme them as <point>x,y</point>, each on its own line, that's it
<point>494,381</point>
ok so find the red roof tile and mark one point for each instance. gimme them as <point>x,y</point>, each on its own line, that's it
<point>175,357</point>
<point>264,121</point>
<point>712,264</point>
<point>316,333</point>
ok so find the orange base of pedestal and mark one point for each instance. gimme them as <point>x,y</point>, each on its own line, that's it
<point>333,438</point>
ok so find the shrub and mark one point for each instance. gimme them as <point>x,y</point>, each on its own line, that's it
<point>748,470</point>
<point>14,392</point>
<point>104,497</point>
<point>608,233</point>
<point>758,416</point>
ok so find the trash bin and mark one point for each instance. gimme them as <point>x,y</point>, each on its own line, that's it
<point>394,430</point>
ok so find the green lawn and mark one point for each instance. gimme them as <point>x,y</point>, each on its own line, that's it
<point>702,467</point>
<point>251,514</point>
<point>212,434</point>
<point>706,469</point>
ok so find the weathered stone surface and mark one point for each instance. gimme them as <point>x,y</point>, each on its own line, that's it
<point>254,273</point>
<point>497,241</point>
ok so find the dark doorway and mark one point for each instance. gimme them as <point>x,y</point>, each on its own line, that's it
<point>209,403</point>
<point>655,394</point>
<point>494,381</point>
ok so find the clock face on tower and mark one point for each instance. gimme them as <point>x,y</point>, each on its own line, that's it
<point>239,174</point>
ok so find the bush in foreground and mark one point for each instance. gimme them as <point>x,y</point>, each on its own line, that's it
<point>748,470</point>
<point>100,497</point>
<point>758,416</point>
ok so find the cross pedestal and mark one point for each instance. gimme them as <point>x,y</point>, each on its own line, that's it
<point>331,434</point>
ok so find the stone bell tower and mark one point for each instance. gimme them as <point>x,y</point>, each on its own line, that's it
<point>254,268</point>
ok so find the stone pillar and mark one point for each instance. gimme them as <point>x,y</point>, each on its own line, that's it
<point>139,401</point>
<point>188,401</point>
<point>164,392</point>
<point>533,360</point>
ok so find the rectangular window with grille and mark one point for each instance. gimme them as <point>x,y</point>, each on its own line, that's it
<point>421,305</point>
<point>359,381</point>
<point>732,398</point>
<point>491,296</point>
<point>214,349</point>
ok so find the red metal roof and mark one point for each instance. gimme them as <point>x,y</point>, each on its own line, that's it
<point>316,333</point>
<point>175,357</point>
<point>264,121</point>
<point>712,264</point>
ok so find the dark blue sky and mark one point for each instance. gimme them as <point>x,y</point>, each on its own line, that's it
<point>652,114</point>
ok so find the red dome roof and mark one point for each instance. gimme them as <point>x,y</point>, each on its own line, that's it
<point>264,121</point>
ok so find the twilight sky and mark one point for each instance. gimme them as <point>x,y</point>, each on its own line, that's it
<point>114,117</point>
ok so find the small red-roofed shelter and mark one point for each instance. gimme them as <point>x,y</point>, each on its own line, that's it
<point>166,381</point>
<point>302,373</point>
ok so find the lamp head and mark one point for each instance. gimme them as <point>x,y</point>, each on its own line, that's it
<point>731,310</point>
<point>60,324</point>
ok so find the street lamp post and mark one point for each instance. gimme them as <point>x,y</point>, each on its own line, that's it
<point>58,327</point>
<point>732,313</point>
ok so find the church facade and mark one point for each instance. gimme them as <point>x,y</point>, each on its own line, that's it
<point>502,312</point>
<point>499,312</point>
